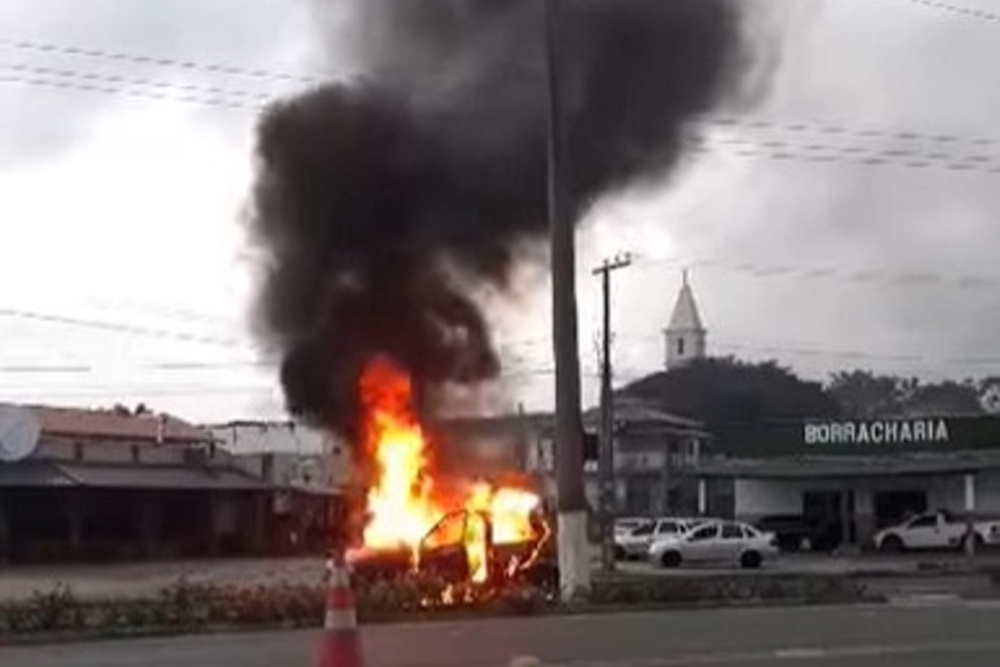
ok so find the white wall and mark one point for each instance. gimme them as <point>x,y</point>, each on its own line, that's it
<point>756,497</point>
<point>270,437</point>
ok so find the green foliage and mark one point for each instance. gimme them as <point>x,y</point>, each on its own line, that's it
<point>725,391</point>
<point>186,606</point>
<point>865,394</point>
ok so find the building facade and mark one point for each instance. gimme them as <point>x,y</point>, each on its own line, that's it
<point>306,468</point>
<point>114,484</point>
<point>858,476</point>
<point>655,456</point>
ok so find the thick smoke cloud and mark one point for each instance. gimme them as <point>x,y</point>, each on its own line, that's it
<point>381,202</point>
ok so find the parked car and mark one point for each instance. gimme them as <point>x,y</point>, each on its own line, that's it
<point>797,533</point>
<point>636,544</point>
<point>718,541</point>
<point>626,524</point>
<point>935,530</point>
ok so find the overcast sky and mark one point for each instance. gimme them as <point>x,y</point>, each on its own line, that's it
<point>123,275</point>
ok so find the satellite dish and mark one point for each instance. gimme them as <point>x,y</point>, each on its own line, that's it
<point>19,431</point>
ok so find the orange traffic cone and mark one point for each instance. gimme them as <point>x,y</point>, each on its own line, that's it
<point>340,646</point>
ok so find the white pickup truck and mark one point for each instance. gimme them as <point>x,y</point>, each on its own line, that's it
<point>936,530</point>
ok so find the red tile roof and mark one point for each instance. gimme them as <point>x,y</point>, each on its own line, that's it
<point>75,422</point>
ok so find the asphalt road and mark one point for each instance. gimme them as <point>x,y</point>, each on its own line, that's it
<point>887,636</point>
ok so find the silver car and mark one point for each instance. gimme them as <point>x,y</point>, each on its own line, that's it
<point>718,541</point>
<point>635,544</point>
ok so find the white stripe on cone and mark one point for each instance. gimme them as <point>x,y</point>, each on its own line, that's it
<point>339,577</point>
<point>340,619</point>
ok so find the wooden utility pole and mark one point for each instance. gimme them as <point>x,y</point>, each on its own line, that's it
<point>571,503</point>
<point>606,452</point>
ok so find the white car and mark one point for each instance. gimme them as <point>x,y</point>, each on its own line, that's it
<point>625,525</point>
<point>935,530</point>
<point>718,541</point>
<point>635,544</point>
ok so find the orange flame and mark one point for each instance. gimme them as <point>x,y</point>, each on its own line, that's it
<point>403,502</point>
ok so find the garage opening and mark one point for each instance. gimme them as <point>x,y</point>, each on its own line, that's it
<point>892,507</point>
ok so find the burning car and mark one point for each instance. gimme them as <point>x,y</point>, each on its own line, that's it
<point>461,531</point>
<point>461,549</point>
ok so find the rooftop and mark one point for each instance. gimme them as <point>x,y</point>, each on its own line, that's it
<point>115,424</point>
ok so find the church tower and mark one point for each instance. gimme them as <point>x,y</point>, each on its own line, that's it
<point>685,336</point>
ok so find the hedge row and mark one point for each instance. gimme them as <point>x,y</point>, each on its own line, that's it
<point>186,606</point>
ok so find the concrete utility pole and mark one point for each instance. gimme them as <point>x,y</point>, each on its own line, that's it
<point>571,503</point>
<point>606,451</point>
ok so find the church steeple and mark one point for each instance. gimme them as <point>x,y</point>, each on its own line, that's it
<point>685,335</point>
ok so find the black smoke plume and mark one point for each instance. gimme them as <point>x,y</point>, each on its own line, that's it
<point>382,201</point>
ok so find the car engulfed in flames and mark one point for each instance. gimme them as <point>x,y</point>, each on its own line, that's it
<point>474,535</point>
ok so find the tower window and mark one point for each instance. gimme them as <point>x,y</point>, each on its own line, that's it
<point>680,347</point>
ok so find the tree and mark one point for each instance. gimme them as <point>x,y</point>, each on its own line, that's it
<point>861,393</point>
<point>726,391</point>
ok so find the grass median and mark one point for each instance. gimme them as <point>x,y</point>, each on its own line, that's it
<point>185,607</point>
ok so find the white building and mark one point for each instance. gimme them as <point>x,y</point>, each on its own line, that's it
<point>286,454</point>
<point>685,336</point>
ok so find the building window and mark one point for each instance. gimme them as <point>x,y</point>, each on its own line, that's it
<point>680,347</point>
<point>78,451</point>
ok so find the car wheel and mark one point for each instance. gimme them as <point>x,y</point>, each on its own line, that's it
<point>891,545</point>
<point>670,559</point>
<point>620,553</point>
<point>750,560</point>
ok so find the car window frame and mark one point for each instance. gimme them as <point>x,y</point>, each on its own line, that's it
<point>692,536</point>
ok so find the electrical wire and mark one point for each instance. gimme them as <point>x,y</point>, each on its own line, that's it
<point>117,327</point>
<point>815,127</point>
<point>257,99</point>
<point>902,154</point>
<point>75,85</point>
<point>140,59</point>
<point>959,10</point>
<point>873,160</point>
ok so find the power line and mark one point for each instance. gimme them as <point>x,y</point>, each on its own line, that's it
<point>804,127</point>
<point>812,351</point>
<point>120,80</point>
<point>833,273</point>
<point>116,327</point>
<point>119,56</point>
<point>74,85</point>
<point>873,160</point>
<point>960,10</point>
<point>979,159</point>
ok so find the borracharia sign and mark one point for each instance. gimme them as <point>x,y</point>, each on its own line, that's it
<point>833,436</point>
<point>886,431</point>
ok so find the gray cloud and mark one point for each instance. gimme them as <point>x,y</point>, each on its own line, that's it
<point>856,64</point>
<point>40,121</point>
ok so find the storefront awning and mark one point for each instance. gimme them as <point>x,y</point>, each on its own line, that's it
<point>852,466</point>
<point>181,478</point>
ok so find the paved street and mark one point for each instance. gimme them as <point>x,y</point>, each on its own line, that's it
<point>922,634</point>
